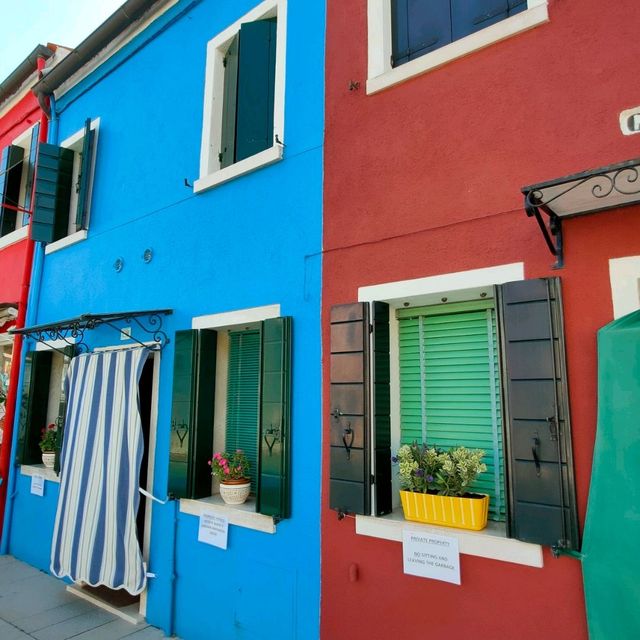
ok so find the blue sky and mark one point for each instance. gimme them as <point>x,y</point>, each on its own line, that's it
<point>26,23</point>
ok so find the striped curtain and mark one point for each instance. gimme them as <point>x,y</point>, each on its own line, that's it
<point>94,538</point>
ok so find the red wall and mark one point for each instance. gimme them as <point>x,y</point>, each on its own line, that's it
<point>423,179</point>
<point>15,121</point>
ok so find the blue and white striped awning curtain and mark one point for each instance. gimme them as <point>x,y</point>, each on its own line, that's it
<point>94,538</point>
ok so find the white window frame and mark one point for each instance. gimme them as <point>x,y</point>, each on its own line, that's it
<point>381,75</point>
<point>210,172</point>
<point>455,287</point>
<point>75,141</point>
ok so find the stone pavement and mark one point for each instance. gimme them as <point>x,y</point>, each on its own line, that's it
<point>35,605</point>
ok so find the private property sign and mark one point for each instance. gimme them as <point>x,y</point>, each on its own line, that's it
<point>630,121</point>
<point>431,556</point>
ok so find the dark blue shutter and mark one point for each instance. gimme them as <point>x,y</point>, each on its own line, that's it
<point>86,158</point>
<point>31,170</point>
<point>256,82</point>
<point>10,176</point>
<point>418,27</point>
<point>542,495</point>
<point>469,16</point>
<point>52,193</point>
<point>229,106</point>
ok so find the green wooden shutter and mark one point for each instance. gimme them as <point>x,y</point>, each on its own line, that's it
<point>243,397</point>
<point>31,170</point>
<point>229,106</point>
<point>275,418</point>
<point>353,343</point>
<point>10,176</point>
<point>69,353</point>
<point>33,408</point>
<point>543,503</point>
<point>191,443</point>
<point>256,84</point>
<point>86,155</point>
<point>52,193</point>
<point>450,386</point>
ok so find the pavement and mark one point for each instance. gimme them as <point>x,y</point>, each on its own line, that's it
<point>35,605</point>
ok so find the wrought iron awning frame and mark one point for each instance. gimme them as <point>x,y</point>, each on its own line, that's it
<point>72,331</point>
<point>614,178</point>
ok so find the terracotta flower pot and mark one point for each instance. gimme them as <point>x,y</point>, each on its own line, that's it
<point>235,491</point>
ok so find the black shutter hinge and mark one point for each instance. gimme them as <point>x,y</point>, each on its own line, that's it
<point>224,62</point>
<point>220,157</point>
<point>372,479</point>
<point>370,328</point>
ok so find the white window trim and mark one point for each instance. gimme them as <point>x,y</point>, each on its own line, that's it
<point>381,75</point>
<point>67,241</point>
<point>231,318</point>
<point>210,172</point>
<point>14,236</point>
<point>624,275</point>
<point>457,286</point>
<point>39,470</point>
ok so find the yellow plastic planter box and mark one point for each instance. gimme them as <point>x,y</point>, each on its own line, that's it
<point>448,511</point>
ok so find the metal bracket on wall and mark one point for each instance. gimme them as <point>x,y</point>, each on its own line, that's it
<point>553,234</point>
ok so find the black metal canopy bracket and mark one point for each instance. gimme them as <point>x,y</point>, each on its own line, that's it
<point>72,331</point>
<point>553,234</point>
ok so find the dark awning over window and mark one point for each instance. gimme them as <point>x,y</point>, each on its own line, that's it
<point>610,187</point>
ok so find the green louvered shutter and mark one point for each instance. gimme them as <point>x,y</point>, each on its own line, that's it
<point>275,419</point>
<point>450,386</point>
<point>191,442</point>
<point>31,170</point>
<point>69,353</point>
<point>229,106</point>
<point>52,193</point>
<point>243,397</point>
<point>34,404</point>
<point>542,492</point>
<point>256,84</point>
<point>10,176</point>
<point>86,157</point>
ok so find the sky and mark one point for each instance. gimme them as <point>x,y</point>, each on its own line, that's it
<point>27,23</point>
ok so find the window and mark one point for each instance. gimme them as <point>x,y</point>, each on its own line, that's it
<point>64,181</point>
<point>409,37</point>
<point>486,371</point>
<point>17,164</point>
<point>43,401</point>
<point>231,390</point>
<point>243,125</point>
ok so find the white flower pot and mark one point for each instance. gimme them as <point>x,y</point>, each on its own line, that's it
<point>48,459</point>
<point>235,493</point>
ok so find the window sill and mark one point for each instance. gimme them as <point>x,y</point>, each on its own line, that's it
<point>39,470</point>
<point>259,160</point>
<point>14,236</point>
<point>523,21</point>
<point>489,543</point>
<point>74,238</point>
<point>242,515</point>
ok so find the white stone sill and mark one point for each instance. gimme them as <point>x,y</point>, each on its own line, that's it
<point>13,237</point>
<point>67,241</point>
<point>39,470</point>
<point>257,161</point>
<point>495,33</point>
<point>489,543</point>
<point>242,515</point>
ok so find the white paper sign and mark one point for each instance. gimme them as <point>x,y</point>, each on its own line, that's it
<point>37,485</point>
<point>213,529</point>
<point>431,556</point>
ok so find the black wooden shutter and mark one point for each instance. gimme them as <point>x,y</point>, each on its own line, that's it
<point>34,404</point>
<point>418,27</point>
<point>229,106</point>
<point>191,441</point>
<point>353,343</point>
<point>82,208</point>
<point>542,494</point>
<point>10,176</point>
<point>52,193</point>
<point>275,420</point>
<point>31,170</point>
<point>256,84</point>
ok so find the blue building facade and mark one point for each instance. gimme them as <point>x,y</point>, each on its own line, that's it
<point>196,187</point>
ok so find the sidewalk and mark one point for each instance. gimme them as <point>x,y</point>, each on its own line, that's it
<point>35,605</point>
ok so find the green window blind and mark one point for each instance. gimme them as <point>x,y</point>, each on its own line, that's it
<point>243,396</point>
<point>450,386</point>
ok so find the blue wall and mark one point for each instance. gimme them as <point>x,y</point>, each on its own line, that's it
<point>253,241</point>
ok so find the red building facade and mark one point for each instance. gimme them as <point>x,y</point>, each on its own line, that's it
<point>431,134</point>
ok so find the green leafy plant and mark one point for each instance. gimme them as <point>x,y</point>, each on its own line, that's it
<point>425,469</point>
<point>49,439</point>
<point>230,466</point>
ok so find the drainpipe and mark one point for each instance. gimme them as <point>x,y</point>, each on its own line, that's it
<point>9,439</point>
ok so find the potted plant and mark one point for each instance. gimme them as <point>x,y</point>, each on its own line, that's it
<point>435,486</point>
<point>48,445</point>
<point>232,470</point>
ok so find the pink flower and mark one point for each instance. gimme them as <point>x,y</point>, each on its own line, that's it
<point>226,470</point>
<point>209,463</point>
<point>217,456</point>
